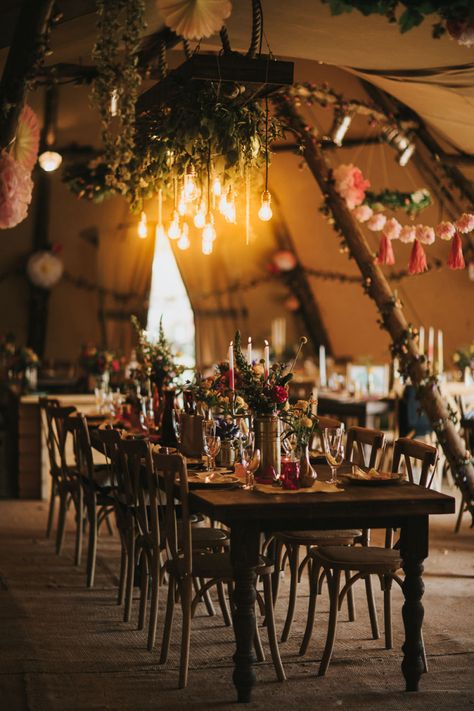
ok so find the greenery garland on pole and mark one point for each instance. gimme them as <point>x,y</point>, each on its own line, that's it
<point>115,89</point>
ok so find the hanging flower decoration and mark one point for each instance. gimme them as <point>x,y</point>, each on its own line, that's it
<point>26,144</point>
<point>45,268</point>
<point>194,19</point>
<point>349,184</point>
<point>16,188</point>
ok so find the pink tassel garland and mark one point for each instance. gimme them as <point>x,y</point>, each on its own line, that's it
<point>385,255</point>
<point>417,263</point>
<point>456,258</point>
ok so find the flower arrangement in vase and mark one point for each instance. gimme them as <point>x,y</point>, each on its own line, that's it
<point>463,358</point>
<point>301,422</point>
<point>157,357</point>
<point>214,392</point>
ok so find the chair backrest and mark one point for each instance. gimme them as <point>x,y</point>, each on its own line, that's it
<point>55,416</point>
<point>74,427</point>
<point>172,470</point>
<point>110,439</point>
<point>141,483</point>
<point>411,449</point>
<point>359,440</point>
<point>45,403</point>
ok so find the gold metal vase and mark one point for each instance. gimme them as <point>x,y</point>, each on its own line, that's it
<point>267,440</point>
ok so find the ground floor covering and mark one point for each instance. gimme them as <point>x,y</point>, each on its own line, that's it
<point>65,648</point>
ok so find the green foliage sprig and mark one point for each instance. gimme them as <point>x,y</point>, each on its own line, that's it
<point>413,12</point>
<point>89,180</point>
<point>157,358</point>
<point>120,24</point>
<point>411,203</point>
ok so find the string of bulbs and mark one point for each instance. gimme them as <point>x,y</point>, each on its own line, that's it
<point>198,202</point>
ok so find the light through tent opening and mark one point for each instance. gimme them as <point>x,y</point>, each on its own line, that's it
<point>169,300</point>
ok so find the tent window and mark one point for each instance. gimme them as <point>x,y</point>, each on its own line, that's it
<point>169,298</point>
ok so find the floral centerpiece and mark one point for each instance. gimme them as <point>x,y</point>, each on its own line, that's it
<point>301,421</point>
<point>213,391</point>
<point>463,358</point>
<point>157,358</point>
<point>266,393</point>
<point>98,361</point>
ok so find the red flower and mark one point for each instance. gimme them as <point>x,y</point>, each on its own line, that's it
<point>280,394</point>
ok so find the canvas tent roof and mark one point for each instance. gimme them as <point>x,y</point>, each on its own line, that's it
<point>435,78</point>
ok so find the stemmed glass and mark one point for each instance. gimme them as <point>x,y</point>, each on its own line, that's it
<point>333,443</point>
<point>212,445</point>
<point>250,458</point>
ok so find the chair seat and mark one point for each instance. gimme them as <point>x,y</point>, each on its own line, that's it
<point>208,537</point>
<point>214,565</point>
<point>370,559</point>
<point>318,538</point>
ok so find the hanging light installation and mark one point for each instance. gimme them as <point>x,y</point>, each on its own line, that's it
<point>50,160</point>
<point>190,189</point>
<point>265,213</point>
<point>160,230</point>
<point>174,230</point>
<point>200,216</point>
<point>208,232</point>
<point>183,242</point>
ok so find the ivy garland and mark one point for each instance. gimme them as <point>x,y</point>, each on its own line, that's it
<point>90,180</point>
<point>414,12</point>
<point>115,90</point>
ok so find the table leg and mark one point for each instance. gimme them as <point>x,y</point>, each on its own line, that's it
<point>244,546</point>
<point>413,549</point>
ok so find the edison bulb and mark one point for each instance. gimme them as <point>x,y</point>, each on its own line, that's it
<point>142,227</point>
<point>183,242</point>
<point>182,208</point>
<point>190,187</point>
<point>223,204</point>
<point>217,187</point>
<point>265,213</point>
<point>206,247</point>
<point>200,217</point>
<point>209,232</point>
<point>114,103</point>
<point>230,212</point>
<point>50,160</point>
<point>174,231</point>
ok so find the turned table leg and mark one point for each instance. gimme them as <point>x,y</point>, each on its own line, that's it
<point>244,543</point>
<point>414,549</point>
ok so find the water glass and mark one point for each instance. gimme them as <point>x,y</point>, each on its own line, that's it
<point>333,444</point>
<point>212,445</point>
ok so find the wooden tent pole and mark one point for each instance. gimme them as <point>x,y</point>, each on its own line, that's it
<point>392,317</point>
<point>26,51</point>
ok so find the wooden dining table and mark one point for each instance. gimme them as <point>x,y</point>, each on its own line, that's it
<point>248,514</point>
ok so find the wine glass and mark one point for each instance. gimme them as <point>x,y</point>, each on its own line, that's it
<point>333,444</point>
<point>212,445</point>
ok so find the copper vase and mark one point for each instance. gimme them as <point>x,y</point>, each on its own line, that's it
<point>267,440</point>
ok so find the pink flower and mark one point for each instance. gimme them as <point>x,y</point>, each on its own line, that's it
<point>350,184</point>
<point>465,223</point>
<point>16,187</point>
<point>392,228</point>
<point>445,230</point>
<point>407,234</point>
<point>377,222</point>
<point>280,394</point>
<point>425,234</point>
<point>362,213</point>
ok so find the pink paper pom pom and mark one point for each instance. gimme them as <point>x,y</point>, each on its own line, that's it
<point>392,228</point>
<point>350,184</point>
<point>362,213</point>
<point>16,187</point>
<point>407,234</point>
<point>445,230</point>
<point>425,234</point>
<point>465,223</point>
<point>377,222</point>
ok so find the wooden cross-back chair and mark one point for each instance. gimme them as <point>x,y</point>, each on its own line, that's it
<point>292,541</point>
<point>65,472</point>
<point>94,502</point>
<point>123,501</point>
<point>47,426</point>
<point>365,560</point>
<point>144,543</point>
<point>467,426</point>
<point>185,565</point>
<point>361,439</point>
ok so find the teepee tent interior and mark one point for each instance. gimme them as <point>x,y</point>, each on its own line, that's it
<point>362,281</point>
